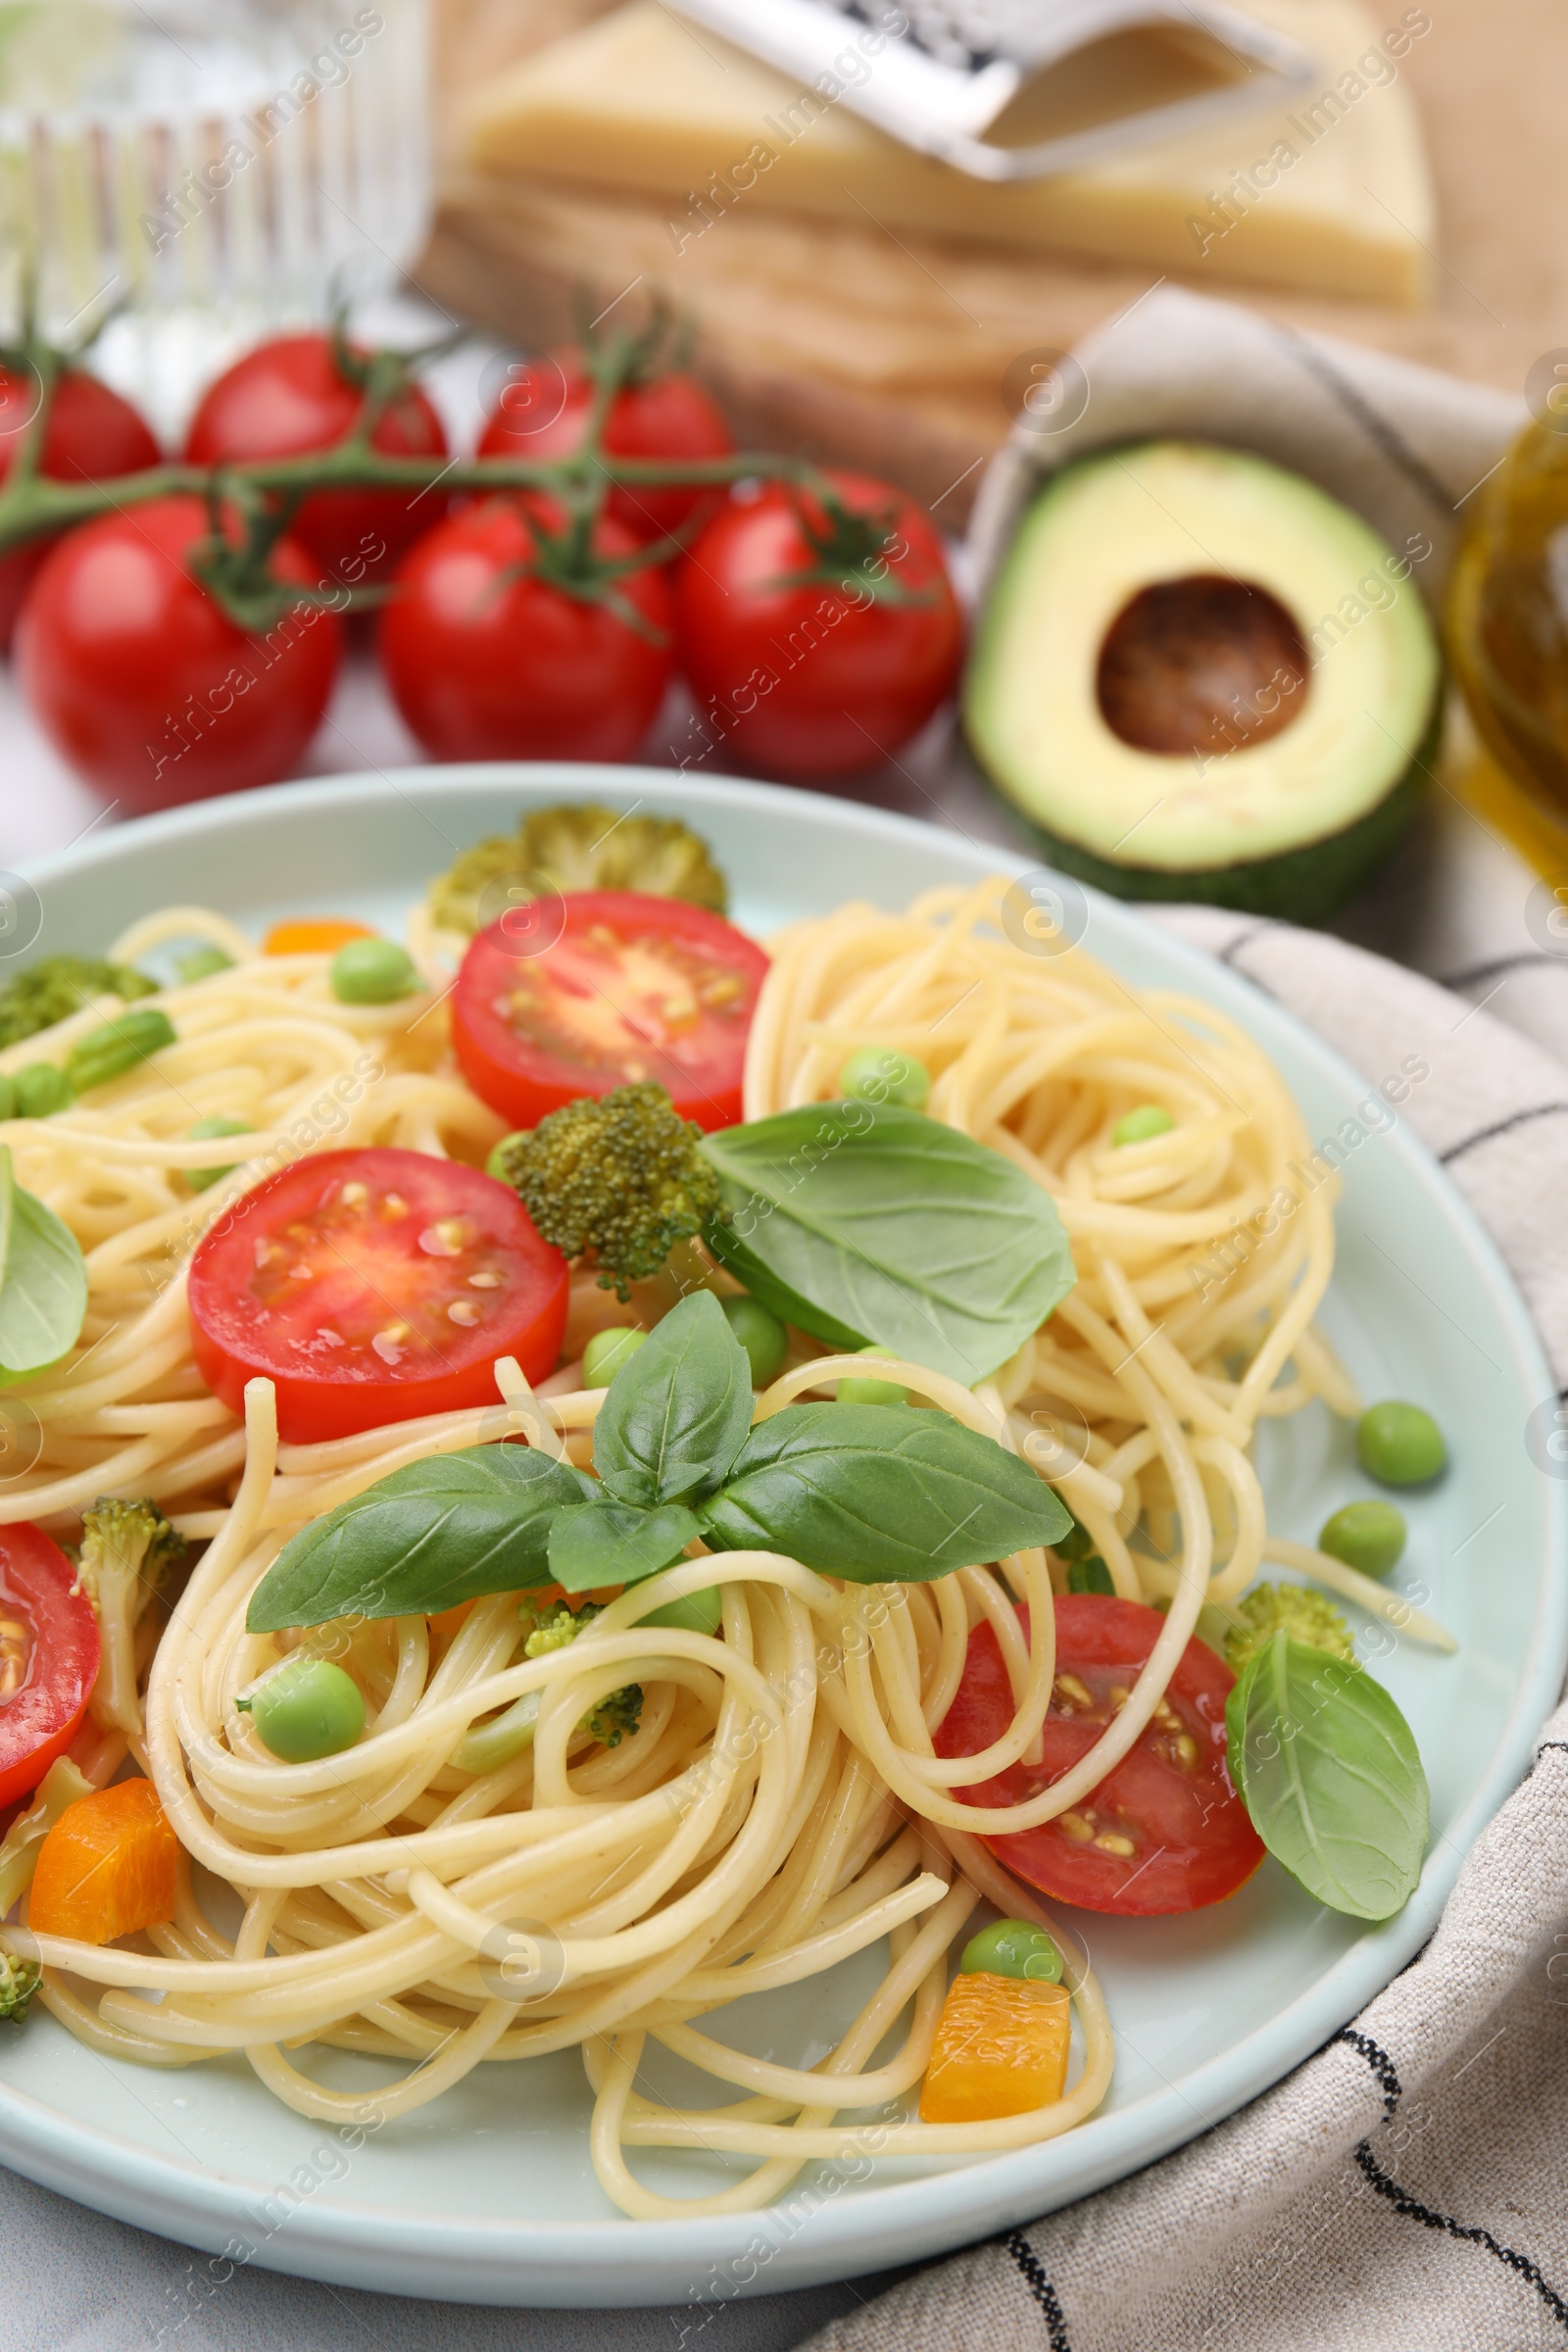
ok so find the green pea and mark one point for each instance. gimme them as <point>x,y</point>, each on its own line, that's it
<point>1400,1444</point>
<point>1369,1536</point>
<point>607,1351</point>
<point>305,1709</point>
<point>200,963</point>
<point>496,1164</point>
<point>761,1335</point>
<point>219,1124</point>
<point>373,971</point>
<point>882,1074</point>
<point>1014,1948</point>
<point>1136,1126</point>
<point>852,1391</point>
<point>42,1088</point>
<point>698,1613</point>
<point>117,1046</point>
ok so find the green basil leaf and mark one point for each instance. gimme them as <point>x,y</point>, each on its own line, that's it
<point>604,1542</point>
<point>879,1494</point>
<point>432,1533</point>
<point>676,1412</point>
<point>43,1281</point>
<point>862,1222</point>
<point>1329,1771</point>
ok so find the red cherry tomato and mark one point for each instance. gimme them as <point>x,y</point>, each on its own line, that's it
<point>92,435</point>
<point>143,683</point>
<point>1192,1841</point>
<point>543,412</point>
<point>59,1645</point>
<point>487,661</point>
<point>288,397</point>
<point>811,676</point>
<point>372,1287</point>
<point>603,988</point>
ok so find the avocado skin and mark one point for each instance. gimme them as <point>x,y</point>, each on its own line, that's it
<point>1307,885</point>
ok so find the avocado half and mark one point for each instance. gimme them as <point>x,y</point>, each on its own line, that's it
<point>1201,677</point>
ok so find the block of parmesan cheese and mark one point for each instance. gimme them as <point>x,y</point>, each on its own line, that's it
<point>1330,196</point>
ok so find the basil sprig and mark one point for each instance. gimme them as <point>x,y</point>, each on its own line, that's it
<point>43,1281</point>
<point>1328,1769</point>
<point>873,1493</point>
<point>864,1222</point>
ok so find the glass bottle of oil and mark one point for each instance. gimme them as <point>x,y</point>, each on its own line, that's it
<point>1506,619</point>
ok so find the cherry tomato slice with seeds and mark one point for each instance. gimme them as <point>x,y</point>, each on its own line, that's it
<point>577,994</point>
<point>372,1287</point>
<point>49,1647</point>
<point>1166,1830</point>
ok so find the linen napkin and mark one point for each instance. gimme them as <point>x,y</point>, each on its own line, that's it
<point>1404,2189</point>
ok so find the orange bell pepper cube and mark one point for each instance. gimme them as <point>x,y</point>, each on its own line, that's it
<point>321,935</point>
<point>1001,2048</point>
<point>107,1867</point>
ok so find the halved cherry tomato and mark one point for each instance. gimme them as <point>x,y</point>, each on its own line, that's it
<point>51,1631</point>
<point>1166,1830</point>
<point>373,1286</point>
<point>319,935</point>
<point>597,989</point>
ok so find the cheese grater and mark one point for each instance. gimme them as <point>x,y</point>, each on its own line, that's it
<point>1015,89</point>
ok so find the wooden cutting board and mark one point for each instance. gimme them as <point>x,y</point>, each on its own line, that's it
<point>849,344</point>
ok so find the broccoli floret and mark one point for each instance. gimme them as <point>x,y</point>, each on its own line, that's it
<point>614,1718</point>
<point>620,1174</point>
<point>126,1550</point>
<point>553,1628</point>
<point>52,989</point>
<point>582,847</point>
<point>1305,1616</point>
<point>19,1981</point>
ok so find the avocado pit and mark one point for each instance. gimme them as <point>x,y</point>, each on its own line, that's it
<point>1202,665</point>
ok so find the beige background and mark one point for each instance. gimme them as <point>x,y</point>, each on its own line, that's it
<point>849,343</point>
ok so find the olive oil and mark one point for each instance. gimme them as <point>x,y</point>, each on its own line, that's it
<point>1506,619</point>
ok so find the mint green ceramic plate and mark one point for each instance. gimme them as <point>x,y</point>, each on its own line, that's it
<point>488,2196</point>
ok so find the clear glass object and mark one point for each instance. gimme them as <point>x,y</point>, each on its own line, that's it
<point>206,171</point>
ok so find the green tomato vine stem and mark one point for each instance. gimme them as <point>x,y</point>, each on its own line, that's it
<point>252,504</point>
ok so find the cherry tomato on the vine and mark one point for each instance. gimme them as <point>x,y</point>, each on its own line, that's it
<point>799,665</point>
<point>604,987</point>
<point>373,1286</point>
<point>290,396</point>
<point>1164,1831</point>
<point>543,412</point>
<point>91,435</point>
<point>488,660</point>
<point>49,1647</point>
<point>141,680</point>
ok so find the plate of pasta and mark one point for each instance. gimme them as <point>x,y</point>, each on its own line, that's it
<point>670,1446</point>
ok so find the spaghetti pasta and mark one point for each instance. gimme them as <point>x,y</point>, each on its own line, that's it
<point>783,1806</point>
